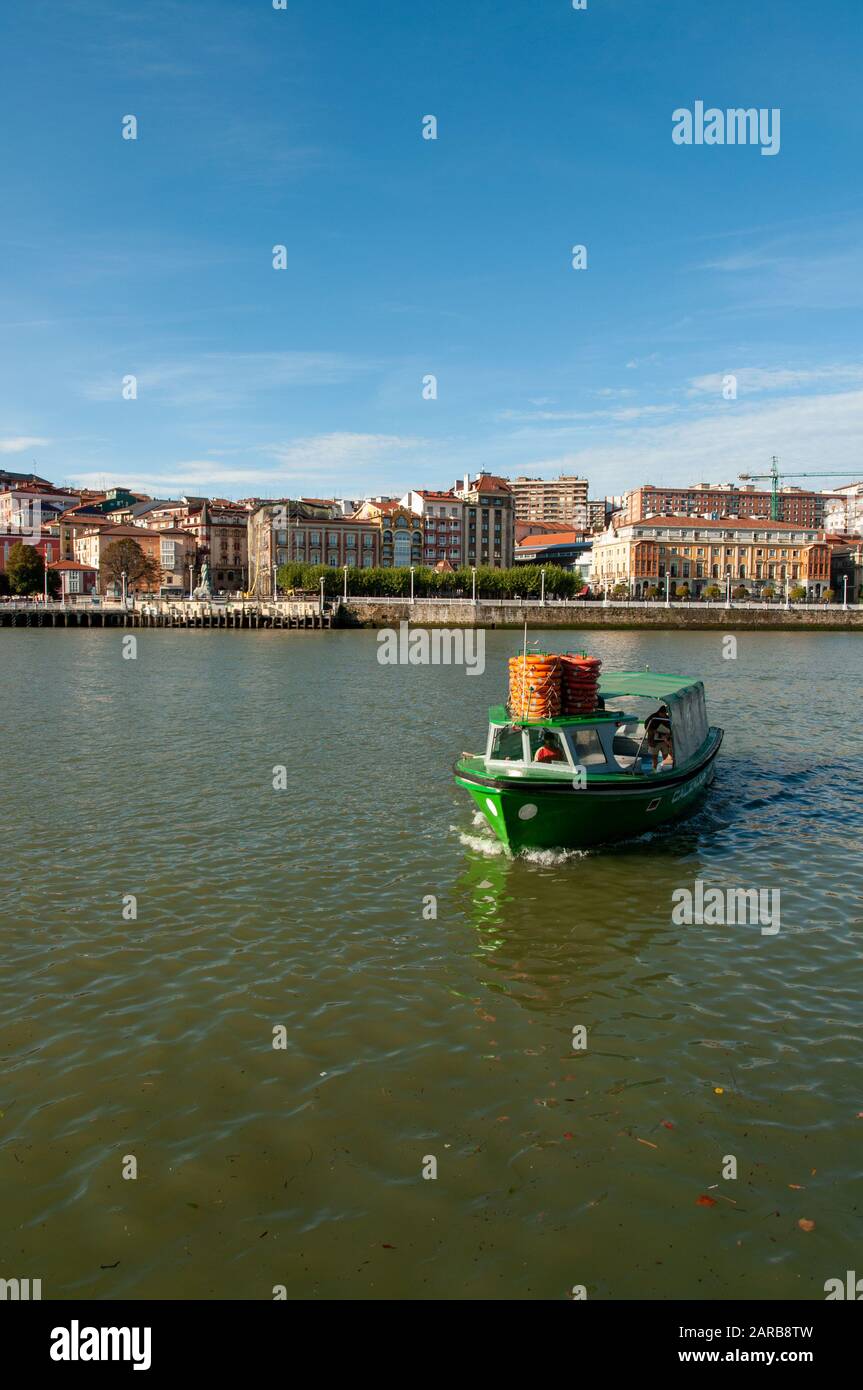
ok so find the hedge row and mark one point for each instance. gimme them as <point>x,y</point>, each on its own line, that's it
<point>520,582</point>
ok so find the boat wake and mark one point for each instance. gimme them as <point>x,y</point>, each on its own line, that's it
<point>485,842</point>
<point>550,858</point>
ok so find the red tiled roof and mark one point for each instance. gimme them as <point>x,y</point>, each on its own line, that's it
<point>71,565</point>
<point>552,538</point>
<point>490,482</point>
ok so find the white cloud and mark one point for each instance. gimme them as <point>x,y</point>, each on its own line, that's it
<point>227,378</point>
<point>345,455</point>
<point>329,464</point>
<point>754,379</point>
<point>22,442</point>
<point>621,413</point>
<point>814,433</point>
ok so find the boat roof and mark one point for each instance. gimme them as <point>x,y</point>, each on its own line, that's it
<point>651,685</point>
<point>499,714</point>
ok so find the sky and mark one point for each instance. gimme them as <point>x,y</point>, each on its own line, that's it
<point>408,258</point>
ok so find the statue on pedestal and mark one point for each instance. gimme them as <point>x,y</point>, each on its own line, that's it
<point>203,590</point>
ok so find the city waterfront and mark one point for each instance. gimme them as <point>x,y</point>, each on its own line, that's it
<point>415,1032</point>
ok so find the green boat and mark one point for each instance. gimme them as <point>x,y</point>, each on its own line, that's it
<point>598,783</point>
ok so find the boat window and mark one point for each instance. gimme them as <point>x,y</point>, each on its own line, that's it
<point>506,745</point>
<point>629,742</point>
<point>546,746</point>
<point>587,748</point>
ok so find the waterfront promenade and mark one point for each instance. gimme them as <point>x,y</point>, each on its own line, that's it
<point>236,614</point>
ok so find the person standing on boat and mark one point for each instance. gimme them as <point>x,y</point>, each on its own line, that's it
<point>658,730</point>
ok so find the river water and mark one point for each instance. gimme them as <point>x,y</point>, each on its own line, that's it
<point>146,1042</point>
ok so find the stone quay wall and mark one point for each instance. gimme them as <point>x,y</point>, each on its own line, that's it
<point>512,614</point>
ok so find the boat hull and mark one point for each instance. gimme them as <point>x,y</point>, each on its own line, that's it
<point>531,814</point>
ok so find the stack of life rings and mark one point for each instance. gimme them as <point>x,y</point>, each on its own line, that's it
<point>580,682</point>
<point>535,686</point>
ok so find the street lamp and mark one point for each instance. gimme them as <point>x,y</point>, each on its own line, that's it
<point>412,584</point>
<point>191,579</point>
<point>322,594</point>
<point>123,577</point>
<point>542,587</point>
<point>345,568</point>
<point>668,590</point>
<point>845,591</point>
<point>473,580</point>
<point>275,582</point>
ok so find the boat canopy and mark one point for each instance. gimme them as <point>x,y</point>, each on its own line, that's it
<point>684,697</point>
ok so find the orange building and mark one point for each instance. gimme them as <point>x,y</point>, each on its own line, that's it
<point>753,552</point>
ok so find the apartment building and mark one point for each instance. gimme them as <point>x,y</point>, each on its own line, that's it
<point>24,508</point>
<point>562,500</point>
<point>442,515</point>
<point>714,501</point>
<point>173,551</point>
<point>843,510</point>
<point>10,481</point>
<point>489,520</point>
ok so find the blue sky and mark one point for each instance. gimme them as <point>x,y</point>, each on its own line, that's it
<point>409,257</point>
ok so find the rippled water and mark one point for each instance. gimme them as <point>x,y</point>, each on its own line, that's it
<point>406,1037</point>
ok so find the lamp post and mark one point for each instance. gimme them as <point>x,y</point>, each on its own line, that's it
<point>412,583</point>
<point>473,581</point>
<point>345,568</point>
<point>45,580</point>
<point>667,590</point>
<point>787,593</point>
<point>845,591</point>
<point>275,582</point>
<point>542,587</point>
<point>123,577</point>
<point>728,591</point>
<point>192,579</point>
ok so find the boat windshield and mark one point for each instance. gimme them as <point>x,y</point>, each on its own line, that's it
<point>506,745</point>
<point>546,746</point>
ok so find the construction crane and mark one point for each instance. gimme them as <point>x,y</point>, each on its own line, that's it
<point>774,476</point>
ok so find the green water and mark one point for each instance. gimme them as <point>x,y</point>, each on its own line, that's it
<point>410,1037</point>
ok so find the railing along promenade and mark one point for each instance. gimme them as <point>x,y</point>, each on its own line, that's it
<point>376,611</point>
